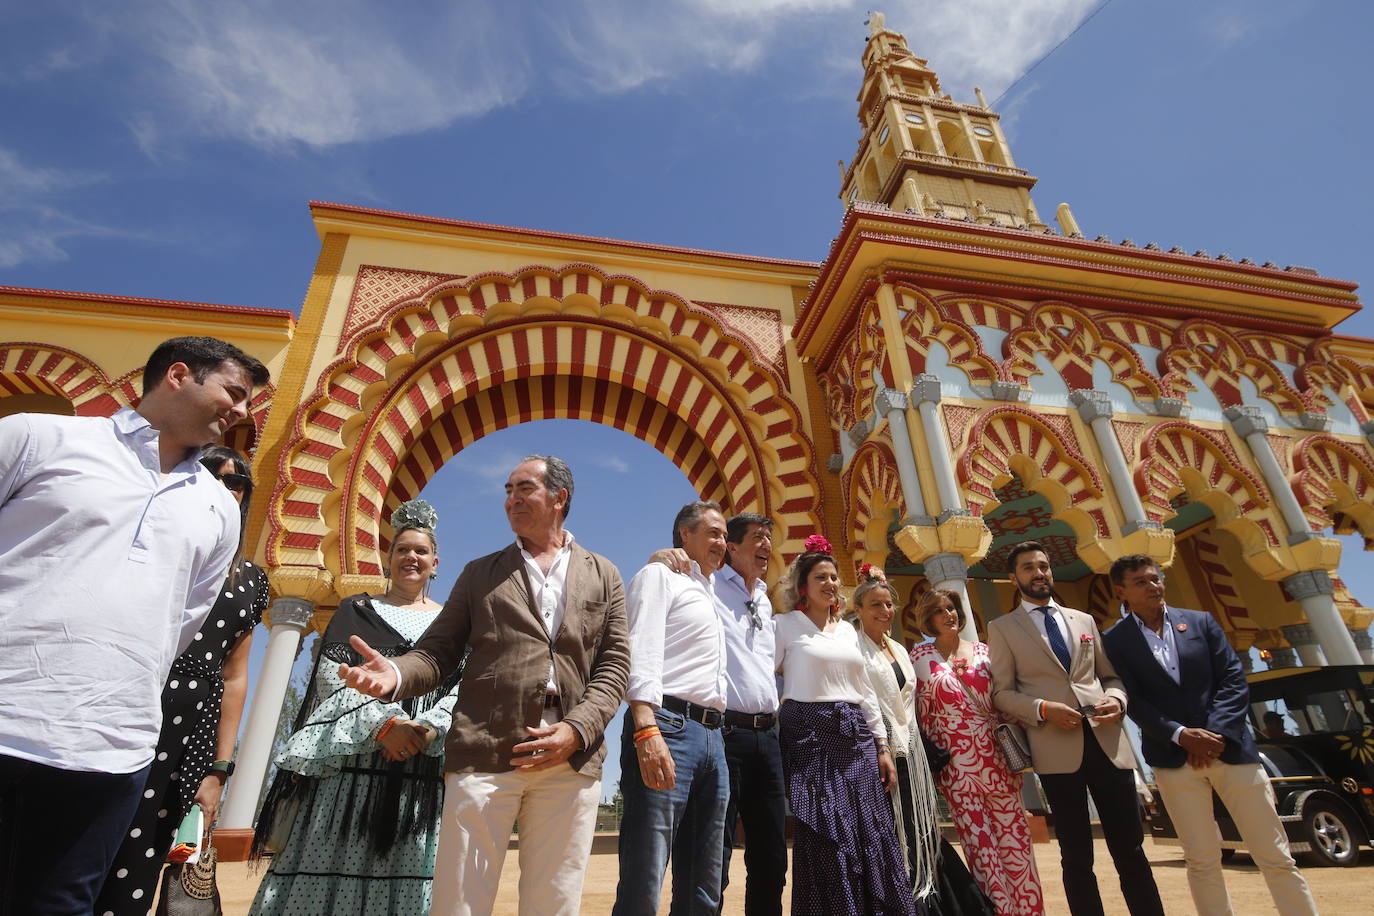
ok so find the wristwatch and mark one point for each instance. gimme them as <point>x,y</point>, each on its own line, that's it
<point>223,766</point>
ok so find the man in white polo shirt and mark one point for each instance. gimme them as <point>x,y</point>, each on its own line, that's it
<point>672,760</point>
<point>113,543</point>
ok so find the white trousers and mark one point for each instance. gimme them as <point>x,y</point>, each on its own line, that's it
<point>557,813</point>
<point>1245,791</point>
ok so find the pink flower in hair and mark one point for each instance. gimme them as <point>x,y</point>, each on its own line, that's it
<point>871,572</point>
<point>817,543</point>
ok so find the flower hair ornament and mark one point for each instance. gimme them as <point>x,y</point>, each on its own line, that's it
<point>872,573</point>
<point>817,543</point>
<point>417,513</point>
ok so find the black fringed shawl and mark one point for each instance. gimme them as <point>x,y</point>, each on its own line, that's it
<point>401,796</point>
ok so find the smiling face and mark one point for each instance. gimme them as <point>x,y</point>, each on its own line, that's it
<point>199,412</point>
<point>943,618</point>
<point>822,585</point>
<point>1142,590</point>
<point>876,611</point>
<point>750,557</point>
<point>1033,575</point>
<point>705,541</point>
<point>533,512</point>
<point>412,559</point>
<point>228,467</point>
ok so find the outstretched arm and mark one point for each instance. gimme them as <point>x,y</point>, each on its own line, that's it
<point>376,676</point>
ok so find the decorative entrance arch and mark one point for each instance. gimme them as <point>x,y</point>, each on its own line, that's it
<point>478,355</point>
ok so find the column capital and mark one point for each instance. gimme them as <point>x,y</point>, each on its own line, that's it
<point>1142,524</point>
<point>1363,641</point>
<point>1010,391</point>
<point>1367,427</point>
<point>835,463</point>
<point>926,388</point>
<point>1316,422</point>
<point>1092,404</point>
<point>859,432</point>
<point>290,612</point>
<point>1247,420</point>
<point>886,400</point>
<point>1172,407</point>
<point>1299,634</point>
<point>1308,584</point>
<point>942,567</point>
<point>1283,658</point>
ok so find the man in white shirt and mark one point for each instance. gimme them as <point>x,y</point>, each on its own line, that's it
<point>1049,669</point>
<point>752,754</point>
<point>1190,698</point>
<point>672,761</point>
<point>114,541</point>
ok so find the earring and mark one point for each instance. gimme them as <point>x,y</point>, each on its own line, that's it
<point>434,575</point>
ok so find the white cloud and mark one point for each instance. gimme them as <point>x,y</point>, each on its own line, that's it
<point>320,73</point>
<point>613,463</point>
<point>33,228</point>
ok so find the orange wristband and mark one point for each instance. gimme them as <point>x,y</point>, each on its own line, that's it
<point>644,734</point>
<point>386,727</point>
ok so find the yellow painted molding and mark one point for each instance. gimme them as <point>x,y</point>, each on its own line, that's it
<point>967,535</point>
<point>308,583</point>
<point>918,542</point>
<point>1155,543</point>
<point>1357,618</point>
<point>1317,553</point>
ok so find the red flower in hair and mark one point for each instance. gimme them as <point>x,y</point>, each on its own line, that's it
<point>817,543</point>
<point>871,572</point>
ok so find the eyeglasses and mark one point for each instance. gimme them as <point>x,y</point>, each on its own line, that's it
<point>755,620</point>
<point>239,483</point>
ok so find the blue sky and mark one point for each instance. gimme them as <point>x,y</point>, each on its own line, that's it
<point>168,149</point>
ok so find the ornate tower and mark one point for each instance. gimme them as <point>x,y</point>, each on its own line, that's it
<point>924,152</point>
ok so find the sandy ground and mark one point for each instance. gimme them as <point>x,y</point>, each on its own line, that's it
<point>1338,891</point>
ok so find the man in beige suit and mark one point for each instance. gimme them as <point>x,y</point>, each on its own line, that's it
<point>543,621</point>
<point>1050,671</point>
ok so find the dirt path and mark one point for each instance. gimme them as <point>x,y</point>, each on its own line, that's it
<point>1338,891</point>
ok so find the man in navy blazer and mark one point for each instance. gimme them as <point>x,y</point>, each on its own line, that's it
<point>1189,697</point>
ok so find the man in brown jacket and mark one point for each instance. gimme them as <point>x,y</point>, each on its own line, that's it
<point>543,621</point>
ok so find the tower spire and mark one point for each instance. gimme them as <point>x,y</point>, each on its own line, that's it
<point>922,151</point>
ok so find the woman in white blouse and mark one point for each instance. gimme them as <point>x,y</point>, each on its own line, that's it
<point>845,854</point>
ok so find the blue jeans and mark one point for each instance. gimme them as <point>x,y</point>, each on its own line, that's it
<point>686,822</point>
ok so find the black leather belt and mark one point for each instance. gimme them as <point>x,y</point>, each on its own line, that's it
<point>757,721</point>
<point>711,718</point>
<point>552,701</point>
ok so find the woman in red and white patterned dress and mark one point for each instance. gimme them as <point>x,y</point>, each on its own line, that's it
<point>985,796</point>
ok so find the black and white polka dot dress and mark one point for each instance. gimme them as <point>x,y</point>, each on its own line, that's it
<point>185,748</point>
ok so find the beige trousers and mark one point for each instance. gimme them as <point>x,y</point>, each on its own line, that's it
<point>1245,791</point>
<point>557,813</point>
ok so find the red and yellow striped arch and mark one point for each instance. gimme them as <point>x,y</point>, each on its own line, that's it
<point>1002,433</point>
<point>1334,478</point>
<point>871,472</point>
<point>35,368</point>
<point>1171,447</point>
<point>495,350</point>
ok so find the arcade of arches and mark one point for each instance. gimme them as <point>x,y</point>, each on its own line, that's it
<point>954,377</point>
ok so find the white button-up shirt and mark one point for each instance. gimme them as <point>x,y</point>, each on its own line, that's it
<point>1164,647</point>
<point>1038,618</point>
<point>107,570</point>
<point>549,592</point>
<point>677,643</point>
<point>750,685</point>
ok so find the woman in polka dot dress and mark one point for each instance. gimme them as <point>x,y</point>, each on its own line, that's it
<point>365,776</point>
<point>201,707</point>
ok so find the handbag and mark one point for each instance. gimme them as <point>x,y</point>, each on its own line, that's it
<point>1011,740</point>
<point>189,889</point>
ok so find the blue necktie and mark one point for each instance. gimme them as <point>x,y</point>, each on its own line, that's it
<point>1055,637</point>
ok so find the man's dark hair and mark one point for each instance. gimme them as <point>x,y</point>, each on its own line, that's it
<point>689,516</point>
<point>203,355</point>
<point>1127,564</point>
<point>557,476</point>
<point>738,525</point>
<point>1023,547</point>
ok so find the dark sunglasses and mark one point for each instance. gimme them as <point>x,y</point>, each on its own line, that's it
<point>239,483</point>
<point>754,619</point>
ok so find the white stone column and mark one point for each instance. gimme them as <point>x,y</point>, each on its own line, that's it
<point>1095,407</point>
<point>1303,639</point>
<point>950,571</point>
<point>892,404</point>
<point>289,618</point>
<point>926,396</point>
<point>1312,588</point>
<point>1364,645</point>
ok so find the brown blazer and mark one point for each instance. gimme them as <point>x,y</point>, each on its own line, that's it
<point>1025,669</point>
<point>491,612</point>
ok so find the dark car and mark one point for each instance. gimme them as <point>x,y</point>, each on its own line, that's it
<point>1315,731</point>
